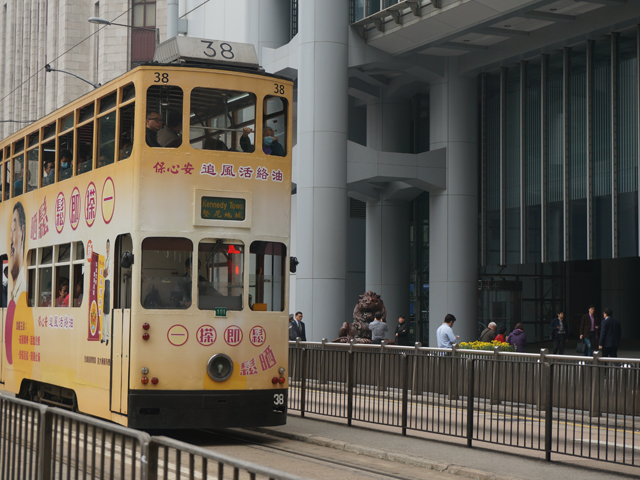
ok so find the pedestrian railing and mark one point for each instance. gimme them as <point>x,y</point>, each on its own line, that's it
<point>43,443</point>
<point>581,406</point>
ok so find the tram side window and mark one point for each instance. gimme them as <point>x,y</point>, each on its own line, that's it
<point>267,273</point>
<point>106,139</point>
<point>48,163</point>
<point>85,149</point>
<point>222,120</point>
<point>220,275</point>
<point>18,175</point>
<point>31,278</point>
<point>63,275</point>
<point>127,115</point>
<point>33,164</point>
<point>166,280</point>
<point>6,178</point>
<point>78,274</point>
<point>274,126</point>
<point>65,156</point>
<point>45,276</point>
<point>4,261</point>
<point>164,116</point>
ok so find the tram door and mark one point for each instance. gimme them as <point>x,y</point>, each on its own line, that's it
<point>121,314</point>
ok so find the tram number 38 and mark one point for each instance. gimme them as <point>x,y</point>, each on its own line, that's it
<point>226,50</point>
<point>278,399</point>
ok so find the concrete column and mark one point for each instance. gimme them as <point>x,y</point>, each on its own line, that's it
<point>389,125</point>
<point>387,258</point>
<point>322,165</point>
<point>453,212</point>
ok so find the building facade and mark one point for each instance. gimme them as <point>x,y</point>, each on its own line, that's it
<point>473,157</point>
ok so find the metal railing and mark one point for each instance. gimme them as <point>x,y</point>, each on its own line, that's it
<point>45,443</point>
<point>581,406</point>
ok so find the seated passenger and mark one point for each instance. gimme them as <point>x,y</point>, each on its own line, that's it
<point>66,160</point>
<point>154,124</point>
<point>270,144</point>
<point>85,165</point>
<point>18,185</point>
<point>49,173</point>
<point>213,143</point>
<point>63,294</point>
<point>78,294</point>
<point>169,135</point>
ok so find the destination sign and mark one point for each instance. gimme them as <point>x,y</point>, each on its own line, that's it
<point>219,208</point>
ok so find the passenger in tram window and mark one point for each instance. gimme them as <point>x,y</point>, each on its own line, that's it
<point>63,293</point>
<point>66,162</point>
<point>103,161</point>
<point>18,186</point>
<point>77,302</point>
<point>125,151</point>
<point>85,165</point>
<point>213,143</point>
<point>270,144</point>
<point>48,173</point>
<point>154,124</point>
<point>169,135</point>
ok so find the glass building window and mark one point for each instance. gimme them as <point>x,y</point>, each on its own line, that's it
<point>493,169</point>
<point>533,164</point>
<point>555,160</point>
<point>627,145</point>
<point>512,166</point>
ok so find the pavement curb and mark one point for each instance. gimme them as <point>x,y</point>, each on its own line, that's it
<point>390,456</point>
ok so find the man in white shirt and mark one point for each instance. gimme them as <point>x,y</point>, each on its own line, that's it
<point>16,254</point>
<point>444,334</point>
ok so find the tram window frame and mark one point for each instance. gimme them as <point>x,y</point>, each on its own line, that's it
<point>84,149</point>
<point>2,182</point>
<point>166,106</point>
<point>45,263</point>
<point>257,286</point>
<point>125,138</point>
<point>200,112</point>
<point>65,137</point>
<point>32,168</point>
<point>211,292</point>
<point>77,269</point>
<point>6,178</point>
<point>19,159</point>
<point>44,297</point>
<point>168,291</point>
<point>48,155</point>
<point>32,268</point>
<point>106,156</point>
<point>270,119</point>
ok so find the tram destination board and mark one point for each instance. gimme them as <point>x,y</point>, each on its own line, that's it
<point>220,208</point>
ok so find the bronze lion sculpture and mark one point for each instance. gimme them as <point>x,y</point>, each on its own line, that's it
<point>368,304</point>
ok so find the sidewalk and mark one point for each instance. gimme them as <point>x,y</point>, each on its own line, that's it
<point>446,454</point>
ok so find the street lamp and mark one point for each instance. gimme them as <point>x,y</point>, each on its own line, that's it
<point>104,21</point>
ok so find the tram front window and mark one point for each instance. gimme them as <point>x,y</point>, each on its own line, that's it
<point>267,273</point>
<point>220,118</point>
<point>220,275</point>
<point>166,273</point>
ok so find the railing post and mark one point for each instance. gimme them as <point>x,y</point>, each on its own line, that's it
<point>404,369</point>
<point>46,444</point>
<point>470,400</point>
<point>303,379</point>
<point>350,381</point>
<point>382,372</point>
<point>324,365</point>
<point>495,380</point>
<point>150,470</point>
<point>541,384</point>
<point>453,384</point>
<point>596,380</point>
<point>548,417</point>
<point>414,375</point>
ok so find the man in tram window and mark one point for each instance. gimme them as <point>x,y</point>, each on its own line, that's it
<point>48,173</point>
<point>169,135</point>
<point>154,124</point>
<point>63,293</point>
<point>66,162</point>
<point>270,144</point>
<point>16,253</point>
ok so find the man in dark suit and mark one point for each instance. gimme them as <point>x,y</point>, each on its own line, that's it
<point>296,328</point>
<point>590,329</point>
<point>559,333</point>
<point>611,334</point>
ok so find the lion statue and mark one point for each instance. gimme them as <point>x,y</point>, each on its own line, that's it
<point>368,304</point>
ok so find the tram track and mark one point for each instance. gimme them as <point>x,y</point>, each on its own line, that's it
<point>249,439</point>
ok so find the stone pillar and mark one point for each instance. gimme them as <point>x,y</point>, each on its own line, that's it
<point>387,260</point>
<point>322,165</point>
<point>453,212</point>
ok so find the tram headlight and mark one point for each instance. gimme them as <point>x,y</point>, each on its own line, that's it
<point>220,367</point>
<point>281,370</point>
<point>145,370</point>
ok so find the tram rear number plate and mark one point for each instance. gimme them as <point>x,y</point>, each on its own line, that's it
<point>221,312</point>
<point>218,208</point>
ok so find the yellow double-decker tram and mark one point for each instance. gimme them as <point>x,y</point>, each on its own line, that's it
<point>145,245</point>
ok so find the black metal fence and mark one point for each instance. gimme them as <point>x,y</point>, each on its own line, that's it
<point>42,443</point>
<point>586,407</point>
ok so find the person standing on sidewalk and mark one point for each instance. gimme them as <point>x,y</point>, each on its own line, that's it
<point>489,333</point>
<point>559,333</point>
<point>444,334</point>
<point>589,330</point>
<point>610,336</point>
<point>378,329</point>
<point>296,328</point>
<point>402,332</point>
